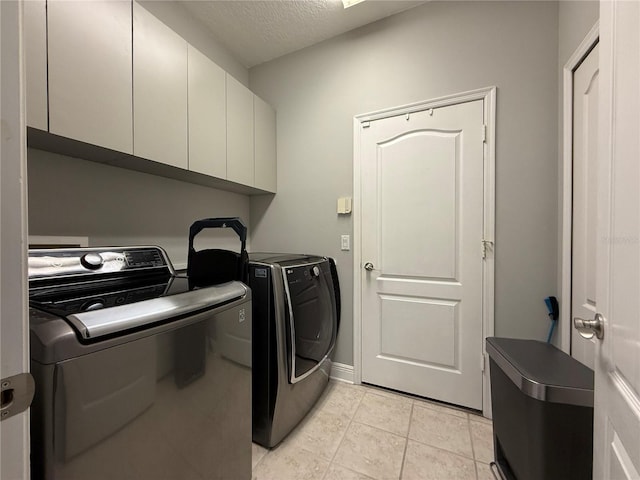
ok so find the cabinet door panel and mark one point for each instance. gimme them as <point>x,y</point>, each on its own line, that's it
<point>265,146</point>
<point>90,72</point>
<point>240,139</point>
<point>159,90</point>
<point>35,35</point>
<point>207,116</point>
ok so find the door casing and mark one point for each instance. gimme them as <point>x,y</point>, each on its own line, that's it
<point>14,319</point>
<point>566,193</point>
<point>488,96</point>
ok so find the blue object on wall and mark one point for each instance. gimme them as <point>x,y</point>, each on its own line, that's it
<point>554,313</point>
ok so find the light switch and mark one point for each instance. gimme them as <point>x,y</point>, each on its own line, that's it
<point>344,241</point>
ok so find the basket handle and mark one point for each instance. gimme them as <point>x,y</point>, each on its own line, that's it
<point>225,222</point>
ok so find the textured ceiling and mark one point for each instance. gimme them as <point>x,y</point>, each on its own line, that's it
<point>257,31</point>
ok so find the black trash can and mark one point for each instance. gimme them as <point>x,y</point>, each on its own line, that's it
<point>542,404</point>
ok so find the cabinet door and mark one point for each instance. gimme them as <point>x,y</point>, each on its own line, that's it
<point>90,72</point>
<point>239,132</point>
<point>35,38</point>
<point>207,116</point>
<point>265,145</point>
<point>159,90</point>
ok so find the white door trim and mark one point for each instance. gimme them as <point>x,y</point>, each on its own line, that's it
<point>564,327</point>
<point>14,323</point>
<point>488,96</point>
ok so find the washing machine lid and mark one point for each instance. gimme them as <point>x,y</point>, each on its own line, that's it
<point>99,323</point>
<point>105,291</point>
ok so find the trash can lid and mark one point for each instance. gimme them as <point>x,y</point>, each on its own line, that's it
<point>542,371</point>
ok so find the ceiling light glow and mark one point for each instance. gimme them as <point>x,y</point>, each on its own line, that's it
<point>350,3</point>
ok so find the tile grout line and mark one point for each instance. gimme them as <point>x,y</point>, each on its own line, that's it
<point>343,436</point>
<point>351,421</point>
<point>373,392</point>
<point>446,450</point>
<point>406,443</point>
<point>473,448</point>
<point>253,468</point>
<point>282,442</point>
<point>315,408</point>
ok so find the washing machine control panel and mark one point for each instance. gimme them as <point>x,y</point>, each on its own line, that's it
<point>57,262</point>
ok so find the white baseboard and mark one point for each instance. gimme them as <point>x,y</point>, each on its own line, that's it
<point>342,372</point>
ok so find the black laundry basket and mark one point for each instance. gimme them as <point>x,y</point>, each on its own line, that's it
<point>215,266</point>
<point>542,404</point>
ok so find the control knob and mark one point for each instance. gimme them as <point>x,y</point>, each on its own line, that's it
<point>92,305</point>
<point>92,261</point>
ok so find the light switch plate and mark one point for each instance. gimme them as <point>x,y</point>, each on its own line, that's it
<point>345,242</point>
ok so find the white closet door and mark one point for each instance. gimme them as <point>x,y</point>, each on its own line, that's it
<point>422,272</point>
<point>14,319</point>
<point>616,437</point>
<point>585,158</point>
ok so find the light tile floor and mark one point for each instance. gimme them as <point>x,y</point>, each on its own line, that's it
<point>356,432</point>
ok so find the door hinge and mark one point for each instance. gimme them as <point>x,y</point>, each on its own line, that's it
<point>16,393</point>
<point>482,362</point>
<point>366,124</point>
<point>484,133</point>
<point>486,246</point>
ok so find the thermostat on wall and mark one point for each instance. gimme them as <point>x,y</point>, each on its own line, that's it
<point>344,205</point>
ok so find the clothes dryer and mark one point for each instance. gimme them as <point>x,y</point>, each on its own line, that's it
<point>296,310</point>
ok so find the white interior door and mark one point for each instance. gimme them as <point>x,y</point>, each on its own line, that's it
<point>617,363</point>
<point>422,224</point>
<point>14,356</point>
<point>585,156</point>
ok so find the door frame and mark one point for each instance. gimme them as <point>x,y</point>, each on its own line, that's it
<point>566,188</point>
<point>488,96</point>
<point>14,323</point>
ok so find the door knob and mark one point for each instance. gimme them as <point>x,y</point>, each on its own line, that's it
<point>368,266</point>
<point>589,328</point>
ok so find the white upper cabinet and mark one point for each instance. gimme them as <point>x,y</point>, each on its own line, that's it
<point>265,145</point>
<point>90,72</point>
<point>207,116</point>
<point>109,73</point>
<point>159,90</point>
<point>240,141</point>
<point>35,35</point>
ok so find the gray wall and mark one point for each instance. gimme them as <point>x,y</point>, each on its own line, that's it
<point>575,20</point>
<point>115,206</point>
<point>433,50</point>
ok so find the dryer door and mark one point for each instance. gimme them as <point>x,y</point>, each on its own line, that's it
<point>311,317</point>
